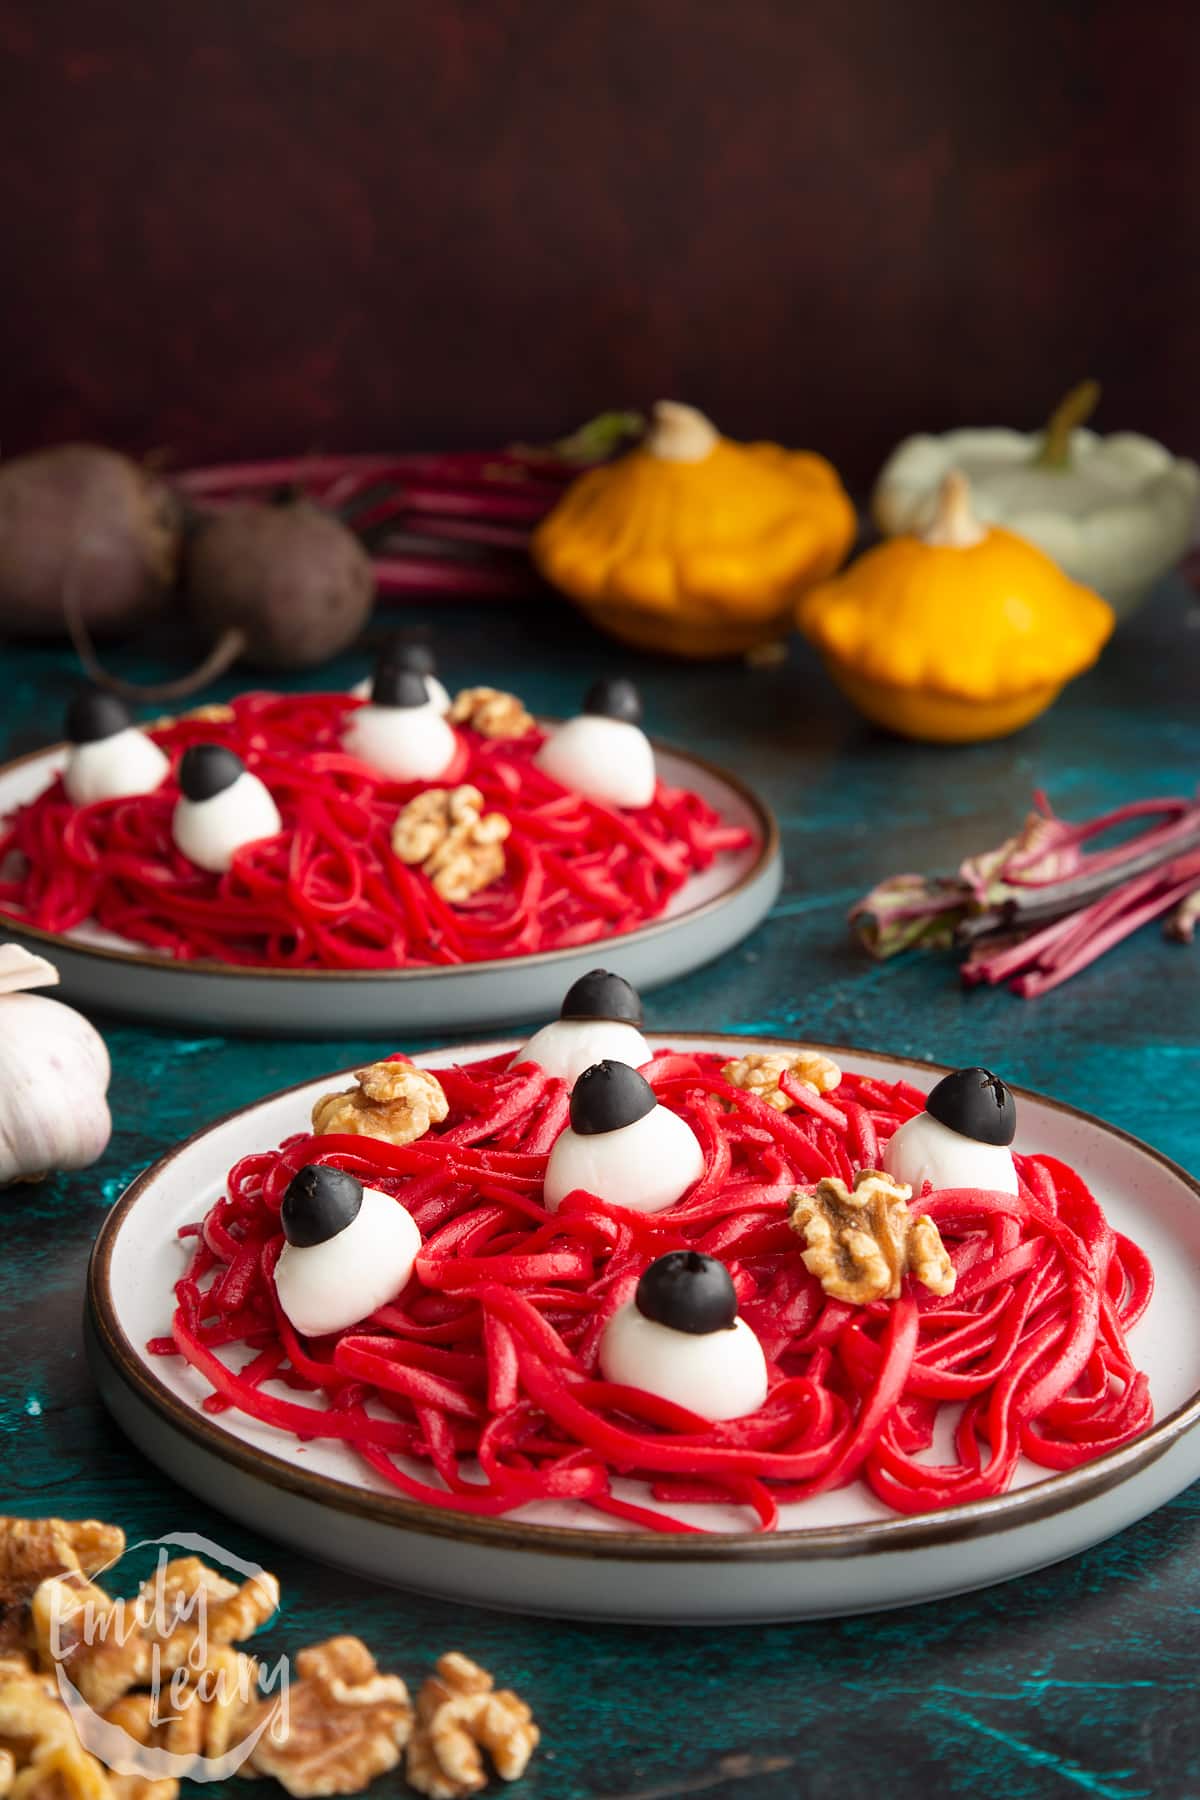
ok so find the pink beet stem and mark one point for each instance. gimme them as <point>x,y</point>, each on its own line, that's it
<point>468,531</point>
<point>417,575</point>
<point>1181,814</point>
<point>996,965</point>
<point>233,478</point>
<point>1040,981</point>
<point>477,503</point>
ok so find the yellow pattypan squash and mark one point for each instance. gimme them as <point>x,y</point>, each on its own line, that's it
<point>692,543</point>
<point>957,633</point>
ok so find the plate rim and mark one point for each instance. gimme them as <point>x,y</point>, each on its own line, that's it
<point>1057,1492</point>
<point>770,850</point>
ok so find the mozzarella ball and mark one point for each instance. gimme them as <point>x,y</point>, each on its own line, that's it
<point>435,693</point>
<point>645,1167</point>
<point>567,1047</point>
<point>114,768</point>
<point>110,759</point>
<point>398,656</point>
<point>329,1285</point>
<point>221,809</point>
<point>923,1149</point>
<point>404,743</point>
<point>720,1374</point>
<point>607,760</point>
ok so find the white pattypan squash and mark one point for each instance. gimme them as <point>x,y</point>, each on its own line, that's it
<point>1116,513</point>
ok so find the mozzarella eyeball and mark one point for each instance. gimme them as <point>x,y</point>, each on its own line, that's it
<point>975,1103</point>
<point>604,754</point>
<point>406,653</point>
<point>599,1020</point>
<point>399,731</point>
<point>222,807</point>
<point>437,695</point>
<point>719,1374</point>
<point>568,1047</point>
<point>110,759</point>
<point>923,1149</point>
<point>621,1146</point>
<point>349,1249</point>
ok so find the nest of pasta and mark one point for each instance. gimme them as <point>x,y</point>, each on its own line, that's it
<point>478,1388</point>
<point>330,890</point>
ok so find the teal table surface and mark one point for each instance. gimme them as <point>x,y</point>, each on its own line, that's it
<point>1077,1679</point>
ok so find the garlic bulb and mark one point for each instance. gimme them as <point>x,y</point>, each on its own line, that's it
<point>54,1074</point>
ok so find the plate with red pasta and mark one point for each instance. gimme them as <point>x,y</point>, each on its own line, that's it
<point>708,1328</point>
<point>339,861</point>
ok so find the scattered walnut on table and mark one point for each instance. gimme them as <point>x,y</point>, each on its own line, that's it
<point>79,1625</point>
<point>346,1723</point>
<point>43,1758</point>
<point>491,712</point>
<point>173,1615</point>
<point>457,845</point>
<point>759,1072</point>
<point>861,1243</point>
<point>461,1714</point>
<point>394,1101</point>
<point>343,1721</point>
<point>31,1549</point>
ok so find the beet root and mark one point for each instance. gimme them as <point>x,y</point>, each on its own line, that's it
<point>292,579</point>
<point>285,587</point>
<point>84,525</point>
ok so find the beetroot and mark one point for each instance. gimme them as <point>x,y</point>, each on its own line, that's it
<point>285,587</point>
<point>85,522</point>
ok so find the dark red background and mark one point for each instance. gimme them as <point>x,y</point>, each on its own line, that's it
<point>237,226</point>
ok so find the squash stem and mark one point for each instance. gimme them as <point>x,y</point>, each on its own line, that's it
<point>954,523</point>
<point>1072,411</point>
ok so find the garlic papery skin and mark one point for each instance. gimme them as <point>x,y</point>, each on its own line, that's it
<point>54,1075</point>
<point>680,433</point>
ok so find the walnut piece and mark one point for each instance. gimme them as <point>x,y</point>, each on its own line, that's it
<point>214,713</point>
<point>759,1072</point>
<point>43,1758</point>
<point>346,1724</point>
<point>343,1721</point>
<point>210,1713</point>
<point>458,846</point>
<point>491,712</point>
<point>460,1714</point>
<point>110,1646</point>
<point>96,1638</point>
<point>861,1244</point>
<point>394,1101</point>
<point>187,1601</point>
<point>31,1549</point>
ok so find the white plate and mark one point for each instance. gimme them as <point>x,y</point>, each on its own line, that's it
<point>711,912</point>
<point>841,1553</point>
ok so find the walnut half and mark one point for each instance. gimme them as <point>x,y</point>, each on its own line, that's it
<point>31,1549</point>
<point>491,712</point>
<point>457,844</point>
<point>861,1243</point>
<point>760,1072</point>
<point>346,1723</point>
<point>394,1101</point>
<point>460,1714</point>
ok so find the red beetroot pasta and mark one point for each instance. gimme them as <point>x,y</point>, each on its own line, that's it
<point>485,1369</point>
<point>329,891</point>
